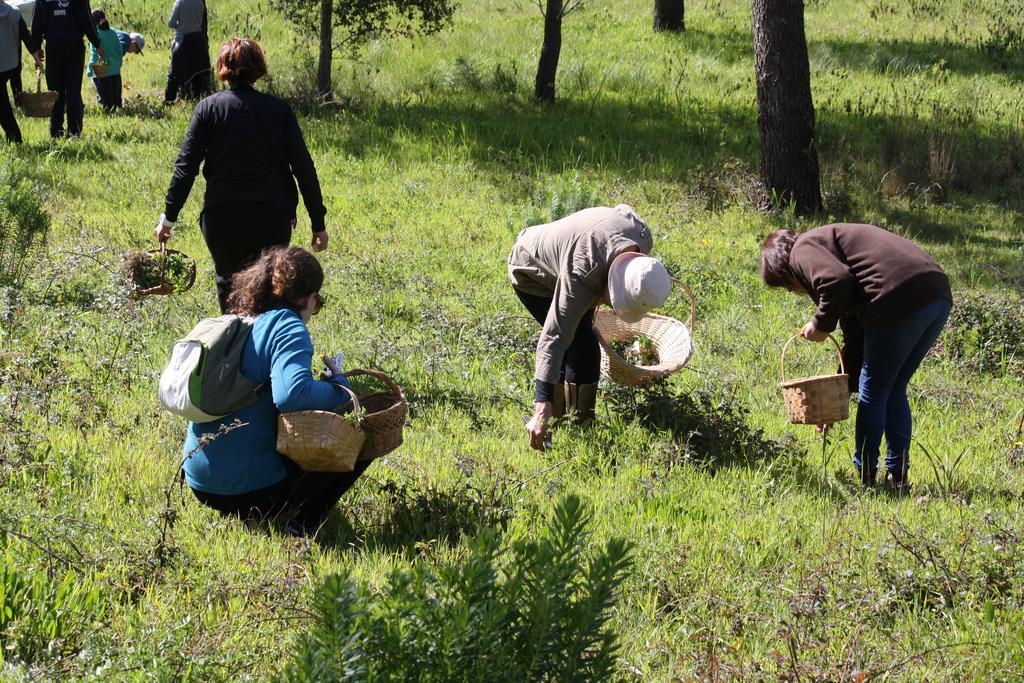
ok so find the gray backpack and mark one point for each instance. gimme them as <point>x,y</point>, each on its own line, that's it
<point>203,380</point>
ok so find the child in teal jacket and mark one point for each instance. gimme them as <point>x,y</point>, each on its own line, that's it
<point>108,85</point>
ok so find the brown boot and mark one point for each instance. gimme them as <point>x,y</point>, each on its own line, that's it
<point>558,402</point>
<point>581,402</point>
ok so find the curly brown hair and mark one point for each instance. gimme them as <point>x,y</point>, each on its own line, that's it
<point>280,277</point>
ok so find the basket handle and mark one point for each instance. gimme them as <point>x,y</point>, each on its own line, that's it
<point>375,373</point>
<point>839,352</point>
<point>693,304</point>
<point>39,80</point>
<point>163,263</point>
<point>352,395</point>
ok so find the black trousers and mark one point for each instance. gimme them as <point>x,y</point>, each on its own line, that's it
<point>65,62</point>
<point>108,91</point>
<point>189,72</point>
<point>16,81</point>
<point>7,120</point>
<point>310,495</point>
<point>582,363</point>
<point>236,234</point>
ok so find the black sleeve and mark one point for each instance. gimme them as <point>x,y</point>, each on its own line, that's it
<point>25,36</point>
<point>40,18</point>
<point>543,391</point>
<point>83,17</point>
<point>206,23</point>
<point>853,349</point>
<point>186,168</point>
<point>304,171</point>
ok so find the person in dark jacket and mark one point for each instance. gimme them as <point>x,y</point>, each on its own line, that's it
<point>62,24</point>
<point>892,300</point>
<point>12,31</point>
<point>252,152</point>
<point>189,71</point>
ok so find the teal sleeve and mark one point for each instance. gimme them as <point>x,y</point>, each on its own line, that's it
<point>291,377</point>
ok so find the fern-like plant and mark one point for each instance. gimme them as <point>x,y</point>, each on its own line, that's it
<point>528,611</point>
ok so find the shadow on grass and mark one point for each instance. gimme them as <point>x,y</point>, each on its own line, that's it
<point>710,426</point>
<point>414,520</point>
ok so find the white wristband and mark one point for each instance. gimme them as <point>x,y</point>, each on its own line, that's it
<point>166,223</point>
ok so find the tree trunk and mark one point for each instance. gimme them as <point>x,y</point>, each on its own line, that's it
<point>544,90</point>
<point>669,15</point>
<point>785,110</point>
<point>325,61</point>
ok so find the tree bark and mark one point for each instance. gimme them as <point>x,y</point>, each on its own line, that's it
<point>326,59</point>
<point>544,89</point>
<point>669,15</point>
<point>785,110</point>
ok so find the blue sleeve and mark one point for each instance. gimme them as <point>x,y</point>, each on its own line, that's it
<point>291,377</point>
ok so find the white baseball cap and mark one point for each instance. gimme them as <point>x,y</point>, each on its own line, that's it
<point>636,284</point>
<point>138,40</point>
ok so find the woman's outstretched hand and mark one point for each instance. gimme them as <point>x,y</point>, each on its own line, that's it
<point>537,428</point>
<point>812,333</point>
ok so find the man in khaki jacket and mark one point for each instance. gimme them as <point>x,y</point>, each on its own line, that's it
<point>561,271</point>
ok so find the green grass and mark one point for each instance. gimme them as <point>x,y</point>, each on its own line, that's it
<point>755,555</point>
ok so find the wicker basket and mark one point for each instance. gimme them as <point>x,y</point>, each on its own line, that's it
<point>321,440</point>
<point>99,69</point>
<point>384,416</point>
<point>819,400</point>
<point>38,104</point>
<point>164,287</point>
<point>671,339</point>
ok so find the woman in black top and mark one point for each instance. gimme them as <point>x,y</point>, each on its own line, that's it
<point>62,24</point>
<point>252,153</point>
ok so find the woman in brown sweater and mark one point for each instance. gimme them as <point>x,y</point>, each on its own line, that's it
<point>892,301</point>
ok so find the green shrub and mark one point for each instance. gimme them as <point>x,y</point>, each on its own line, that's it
<point>43,615</point>
<point>540,616</point>
<point>23,223</point>
<point>985,333</point>
<point>561,197</point>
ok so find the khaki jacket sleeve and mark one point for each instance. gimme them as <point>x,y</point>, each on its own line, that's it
<point>573,297</point>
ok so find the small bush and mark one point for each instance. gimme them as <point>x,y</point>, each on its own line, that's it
<point>541,616</point>
<point>561,197</point>
<point>43,615</point>
<point>23,224</point>
<point>985,333</point>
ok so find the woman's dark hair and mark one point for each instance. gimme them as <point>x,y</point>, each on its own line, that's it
<point>281,276</point>
<point>775,258</point>
<point>99,18</point>
<point>241,62</point>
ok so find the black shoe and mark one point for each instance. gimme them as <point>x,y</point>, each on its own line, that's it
<point>297,529</point>
<point>867,477</point>
<point>898,481</point>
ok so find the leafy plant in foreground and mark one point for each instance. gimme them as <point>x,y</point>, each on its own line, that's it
<point>543,616</point>
<point>23,223</point>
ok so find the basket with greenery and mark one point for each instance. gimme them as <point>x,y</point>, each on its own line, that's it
<point>159,271</point>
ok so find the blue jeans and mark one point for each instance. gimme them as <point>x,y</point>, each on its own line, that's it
<point>891,356</point>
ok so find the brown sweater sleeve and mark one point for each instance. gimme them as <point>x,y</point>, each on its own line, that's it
<point>829,278</point>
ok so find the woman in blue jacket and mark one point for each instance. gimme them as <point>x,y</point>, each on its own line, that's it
<point>237,469</point>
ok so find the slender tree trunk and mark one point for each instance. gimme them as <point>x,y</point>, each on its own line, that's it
<point>669,15</point>
<point>785,110</point>
<point>544,90</point>
<point>323,67</point>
